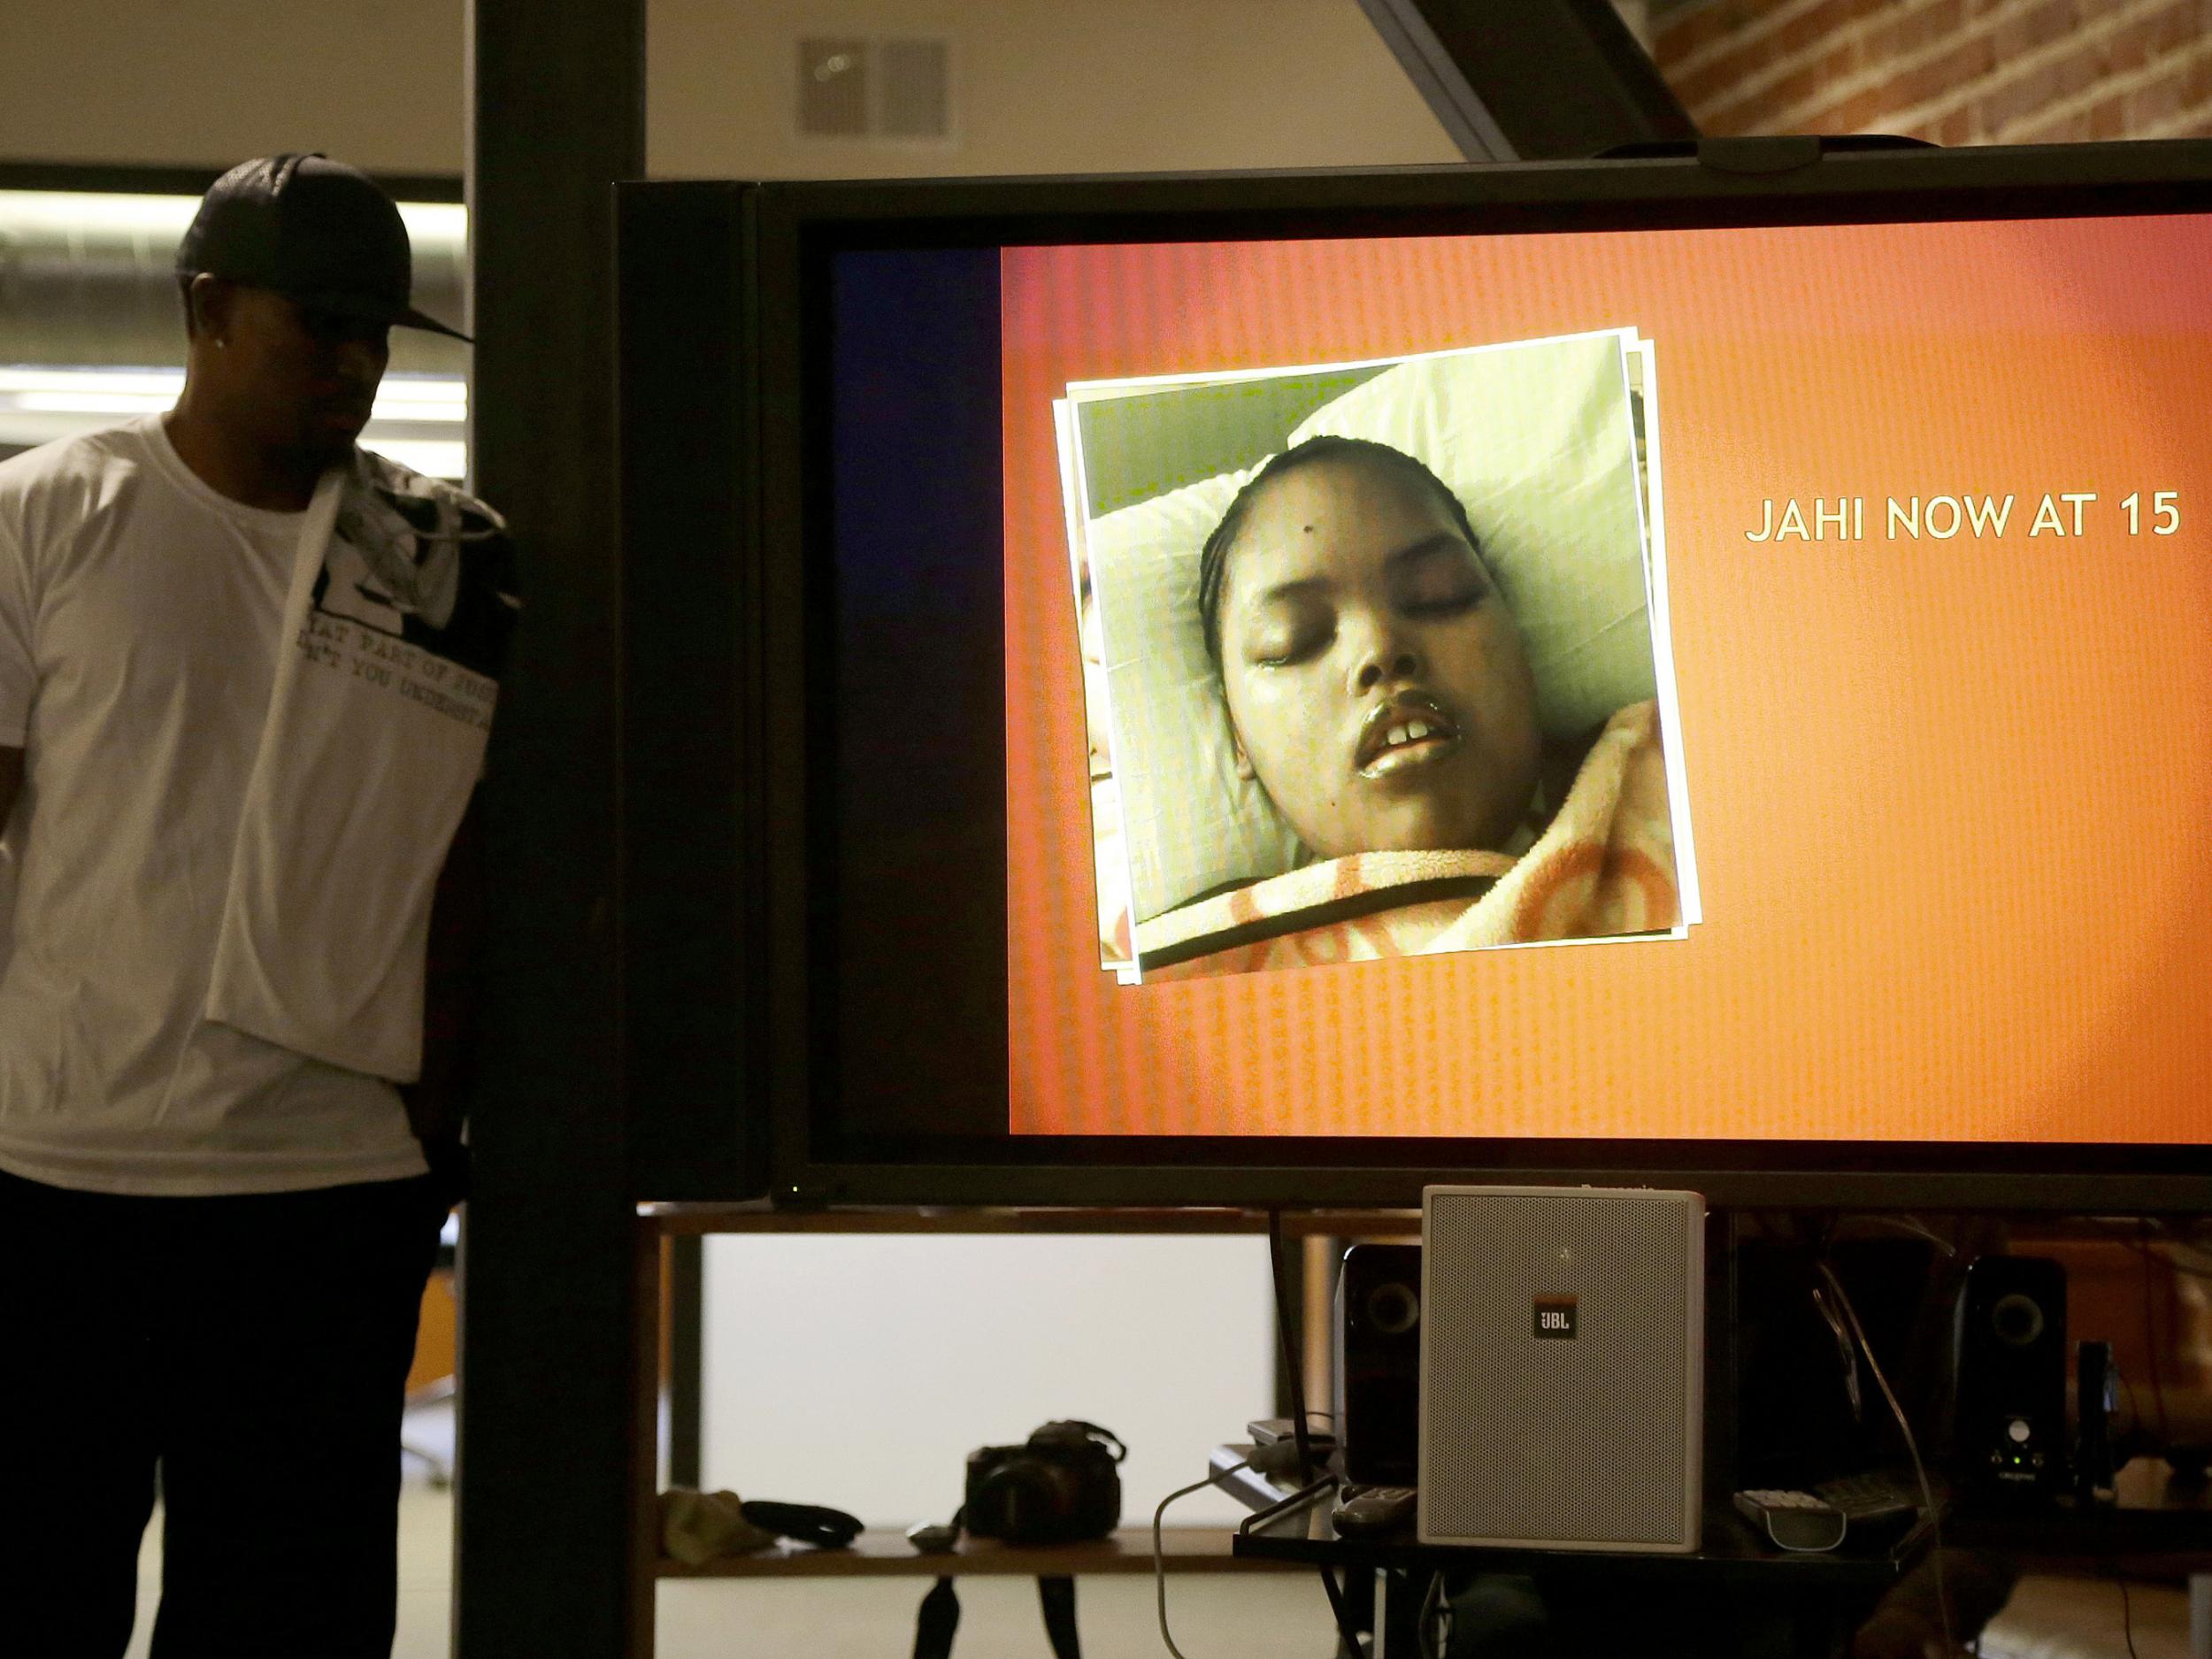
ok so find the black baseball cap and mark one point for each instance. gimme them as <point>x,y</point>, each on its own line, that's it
<point>314,230</point>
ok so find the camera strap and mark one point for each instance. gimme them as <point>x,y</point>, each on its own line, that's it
<point>1056,1597</point>
<point>938,1619</point>
<point>936,1622</point>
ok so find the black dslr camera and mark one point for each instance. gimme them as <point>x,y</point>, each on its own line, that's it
<point>1060,1487</point>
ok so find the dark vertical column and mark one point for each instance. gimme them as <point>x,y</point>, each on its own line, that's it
<point>687,1356</point>
<point>557,98</point>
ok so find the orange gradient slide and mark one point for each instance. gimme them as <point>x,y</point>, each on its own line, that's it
<point>1936,510</point>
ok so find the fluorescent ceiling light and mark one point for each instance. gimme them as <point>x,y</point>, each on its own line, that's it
<point>432,225</point>
<point>444,224</point>
<point>402,397</point>
<point>38,405</point>
<point>30,378</point>
<point>90,402</point>
<point>75,212</point>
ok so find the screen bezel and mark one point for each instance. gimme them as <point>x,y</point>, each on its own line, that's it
<point>801,226</point>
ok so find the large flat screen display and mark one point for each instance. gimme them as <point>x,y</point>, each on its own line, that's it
<point>1664,679</point>
<point>1807,735</point>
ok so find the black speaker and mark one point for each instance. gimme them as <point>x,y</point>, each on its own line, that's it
<point>1379,1363</point>
<point>2009,1433</point>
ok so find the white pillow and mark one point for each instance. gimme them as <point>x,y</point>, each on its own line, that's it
<point>1190,822</point>
<point>1536,439</point>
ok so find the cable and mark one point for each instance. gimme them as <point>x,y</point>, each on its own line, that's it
<point>1912,1446</point>
<point>1432,1629</point>
<point>1912,1225</point>
<point>1159,1558</point>
<point>2127,1614</point>
<point>1293,1366</point>
<point>1294,1361</point>
<point>1267,1460</point>
<point>1846,1351</point>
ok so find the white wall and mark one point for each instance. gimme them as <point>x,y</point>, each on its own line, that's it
<point>1042,86</point>
<point>1048,85</point>
<point>861,1371</point>
<point>209,82</point>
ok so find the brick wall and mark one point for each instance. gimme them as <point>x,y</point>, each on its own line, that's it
<point>1958,72</point>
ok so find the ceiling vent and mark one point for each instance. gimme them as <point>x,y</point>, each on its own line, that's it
<point>898,90</point>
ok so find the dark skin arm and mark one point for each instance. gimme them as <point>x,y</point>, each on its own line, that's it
<point>438,1101</point>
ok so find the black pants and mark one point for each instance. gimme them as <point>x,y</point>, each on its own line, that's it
<point>257,1348</point>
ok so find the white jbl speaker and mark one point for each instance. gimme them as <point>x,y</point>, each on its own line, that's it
<point>1562,1346</point>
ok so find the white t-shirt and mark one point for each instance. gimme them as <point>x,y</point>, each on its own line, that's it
<point>139,620</point>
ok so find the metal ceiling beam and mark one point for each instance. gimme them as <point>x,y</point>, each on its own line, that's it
<point>1531,79</point>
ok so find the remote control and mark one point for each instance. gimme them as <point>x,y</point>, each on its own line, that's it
<point>1370,1511</point>
<point>1793,1520</point>
<point>1878,1510</point>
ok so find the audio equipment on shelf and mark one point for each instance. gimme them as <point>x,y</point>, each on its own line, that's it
<point>2009,1433</point>
<point>1561,1367</point>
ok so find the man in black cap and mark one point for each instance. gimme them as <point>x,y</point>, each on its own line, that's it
<point>229,790</point>
<point>294,270</point>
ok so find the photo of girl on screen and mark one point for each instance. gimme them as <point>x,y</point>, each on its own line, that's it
<point>1389,687</point>
<point>1376,684</point>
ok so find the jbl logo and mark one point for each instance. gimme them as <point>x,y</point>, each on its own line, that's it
<point>1555,1318</point>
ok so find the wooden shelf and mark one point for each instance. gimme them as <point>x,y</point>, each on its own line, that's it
<point>672,1220</point>
<point>886,1554</point>
<point>882,1553</point>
